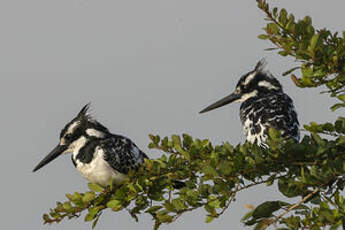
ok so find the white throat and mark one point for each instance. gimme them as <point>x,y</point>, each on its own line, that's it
<point>76,145</point>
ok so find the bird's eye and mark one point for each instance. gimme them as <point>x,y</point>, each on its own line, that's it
<point>68,137</point>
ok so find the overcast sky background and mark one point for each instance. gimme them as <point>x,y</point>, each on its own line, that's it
<point>147,66</point>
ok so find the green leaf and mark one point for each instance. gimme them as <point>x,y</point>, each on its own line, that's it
<point>163,217</point>
<point>225,168</point>
<point>152,145</point>
<point>328,127</point>
<point>46,218</point>
<point>290,70</point>
<point>306,71</point>
<point>273,28</point>
<point>341,97</point>
<point>317,138</point>
<point>214,202</point>
<point>275,11</point>
<point>209,170</point>
<point>94,223</point>
<point>178,204</point>
<point>210,210</point>
<point>77,196</point>
<point>114,204</point>
<point>263,36</point>
<point>88,196</point>
<point>92,213</point>
<point>187,140</point>
<point>289,188</point>
<point>95,187</point>
<point>247,216</point>
<point>266,209</point>
<point>327,214</point>
<point>176,140</point>
<point>209,219</point>
<point>183,152</point>
<point>283,53</point>
<point>67,205</point>
<point>69,196</point>
<point>168,206</point>
<point>283,17</point>
<point>270,49</point>
<point>313,41</point>
<point>157,225</point>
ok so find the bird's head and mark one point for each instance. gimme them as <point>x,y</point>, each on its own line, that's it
<point>255,83</point>
<point>82,129</point>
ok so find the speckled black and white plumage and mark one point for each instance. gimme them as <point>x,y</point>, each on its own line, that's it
<point>99,155</point>
<point>122,154</point>
<point>276,110</point>
<point>264,105</point>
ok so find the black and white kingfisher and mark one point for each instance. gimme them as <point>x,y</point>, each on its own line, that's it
<point>264,105</point>
<point>99,155</point>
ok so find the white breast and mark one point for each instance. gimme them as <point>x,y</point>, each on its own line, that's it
<point>258,138</point>
<point>99,171</point>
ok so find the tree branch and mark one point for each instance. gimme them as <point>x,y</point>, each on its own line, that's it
<point>294,206</point>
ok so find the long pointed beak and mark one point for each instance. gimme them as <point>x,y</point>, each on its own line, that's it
<point>57,151</point>
<point>224,101</point>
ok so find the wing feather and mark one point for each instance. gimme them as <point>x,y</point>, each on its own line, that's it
<point>122,154</point>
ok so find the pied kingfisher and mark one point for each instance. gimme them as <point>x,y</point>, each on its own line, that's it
<point>264,105</point>
<point>99,155</point>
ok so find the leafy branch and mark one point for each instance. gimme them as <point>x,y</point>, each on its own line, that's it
<point>321,52</point>
<point>214,175</point>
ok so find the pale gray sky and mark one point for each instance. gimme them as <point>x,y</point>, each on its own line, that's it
<point>147,66</point>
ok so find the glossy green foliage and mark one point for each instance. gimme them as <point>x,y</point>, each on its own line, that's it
<point>320,52</point>
<point>311,172</point>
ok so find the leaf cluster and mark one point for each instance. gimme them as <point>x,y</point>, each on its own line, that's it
<point>320,52</point>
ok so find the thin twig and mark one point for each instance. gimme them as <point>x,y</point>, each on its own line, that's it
<point>231,199</point>
<point>295,205</point>
<point>259,182</point>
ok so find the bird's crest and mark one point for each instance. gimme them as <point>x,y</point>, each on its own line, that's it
<point>260,66</point>
<point>84,112</point>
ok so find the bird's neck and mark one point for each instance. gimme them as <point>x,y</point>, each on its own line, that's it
<point>86,153</point>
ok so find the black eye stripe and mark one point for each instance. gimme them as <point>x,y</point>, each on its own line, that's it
<point>70,137</point>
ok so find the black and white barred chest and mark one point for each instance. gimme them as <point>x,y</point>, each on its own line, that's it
<point>258,114</point>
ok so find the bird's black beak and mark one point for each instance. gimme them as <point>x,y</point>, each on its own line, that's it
<point>57,151</point>
<point>224,101</point>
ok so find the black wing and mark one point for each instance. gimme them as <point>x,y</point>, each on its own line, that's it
<point>122,154</point>
<point>284,116</point>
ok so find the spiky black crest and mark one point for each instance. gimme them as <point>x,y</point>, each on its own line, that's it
<point>85,121</point>
<point>258,79</point>
<point>260,66</point>
<point>84,112</point>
